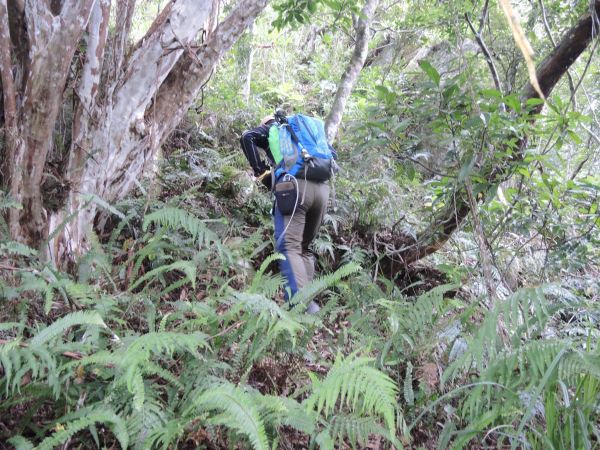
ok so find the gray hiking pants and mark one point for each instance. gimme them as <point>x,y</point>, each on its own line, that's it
<point>294,233</point>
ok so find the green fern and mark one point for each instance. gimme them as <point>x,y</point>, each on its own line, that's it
<point>143,347</point>
<point>358,429</point>
<point>353,382</point>
<point>20,443</point>
<point>518,377</point>
<point>16,249</point>
<point>156,245</point>
<point>64,323</point>
<point>175,218</point>
<point>296,416</point>
<point>275,319</point>
<point>487,344</point>
<point>165,435</point>
<point>409,395</point>
<point>38,362</point>
<point>187,267</point>
<point>308,292</point>
<point>257,281</point>
<point>96,416</point>
<point>142,422</point>
<point>238,412</point>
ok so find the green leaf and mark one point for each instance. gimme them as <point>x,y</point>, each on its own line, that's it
<point>430,71</point>
<point>513,102</point>
<point>534,101</point>
<point>450,91</point>
<point>491,93</point>
<point>467,167</point>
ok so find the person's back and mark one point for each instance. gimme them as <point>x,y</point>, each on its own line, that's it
<point>298,218</point>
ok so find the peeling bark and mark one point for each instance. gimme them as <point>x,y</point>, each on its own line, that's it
<point>152,91</point>
<point>85,118</point>
<point>125,9</point>
<point>194,69</point>
<point>117,145</point>
<point>555,65</point>
<point>18,33</point>
<point>9,95</point>
<point>357,61</point>
<point>52,42</point>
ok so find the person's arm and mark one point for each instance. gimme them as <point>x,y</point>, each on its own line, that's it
<point>250,141</point>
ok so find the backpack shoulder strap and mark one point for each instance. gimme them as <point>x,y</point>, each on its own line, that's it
<point>306,127</point>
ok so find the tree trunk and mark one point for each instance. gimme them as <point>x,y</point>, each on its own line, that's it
<point>549,72</point>
<point>357,61</point>
<point>125,106</point>
<point>248,65</point>
<point>46,66</point>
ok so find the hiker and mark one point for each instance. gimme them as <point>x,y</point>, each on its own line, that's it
<point>300,183</point>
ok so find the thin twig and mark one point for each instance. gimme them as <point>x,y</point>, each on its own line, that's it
<point>486,53</point>
<point>226,330</point>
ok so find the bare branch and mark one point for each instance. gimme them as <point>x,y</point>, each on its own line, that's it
<point>125,9</point>
<point>355,65</point>
<point>484,49</point>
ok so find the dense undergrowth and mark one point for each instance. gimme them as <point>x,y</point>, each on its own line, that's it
<point>171,332</point>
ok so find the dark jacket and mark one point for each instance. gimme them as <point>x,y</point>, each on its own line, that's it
<point>250,141</point>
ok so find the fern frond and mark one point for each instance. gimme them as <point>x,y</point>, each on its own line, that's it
<point>156,246</point>
<point>20,443</point>
<point>354,382</point>
<point>66,322</point>
<point>276,320</point>
<point>17,249</point>
<point>325,441</point>
<point>238,413</point>
<point>358,429</point>
<point>162,343</point>
<point>165,435</point>
<point>308,292</point>
<point>296,416</point>
<point>102,358</point>
<point>151,368</point>
<point>102,416</point>
<point>141,423</point>
<point>187,267</point>
<point>409,394</point>
<point>256,282</point>
<point>175,218</point>
<point>138,354</point>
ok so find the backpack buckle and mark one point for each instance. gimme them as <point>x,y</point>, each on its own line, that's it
<point>307,156</point>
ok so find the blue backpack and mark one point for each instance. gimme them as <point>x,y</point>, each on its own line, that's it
<point>299,147</point>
